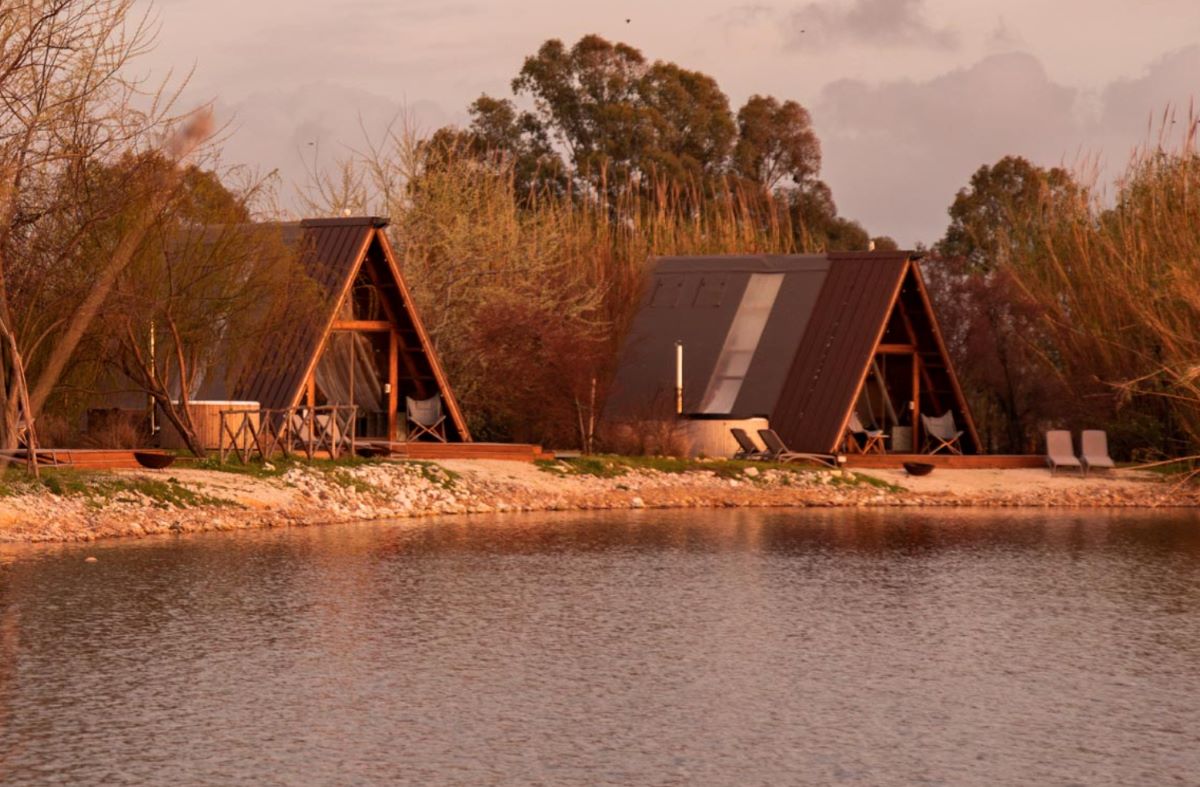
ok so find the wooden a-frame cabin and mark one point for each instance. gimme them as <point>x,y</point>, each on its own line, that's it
<point>805,341</point>
<point>368,347</point>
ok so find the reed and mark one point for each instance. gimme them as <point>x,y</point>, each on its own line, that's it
<point>1119,288</point>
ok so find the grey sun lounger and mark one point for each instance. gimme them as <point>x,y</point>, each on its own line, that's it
<point>1093,450</point>
<point>1060,452</point>
<point>778,452</point>
<point>747,448</point>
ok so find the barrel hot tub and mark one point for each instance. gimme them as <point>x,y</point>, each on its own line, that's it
<point>206,417</point>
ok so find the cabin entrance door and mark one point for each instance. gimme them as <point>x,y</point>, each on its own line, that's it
<point>890,398</point>
<point>359,367</point>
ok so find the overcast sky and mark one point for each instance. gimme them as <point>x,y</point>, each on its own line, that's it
<point>909,97</point>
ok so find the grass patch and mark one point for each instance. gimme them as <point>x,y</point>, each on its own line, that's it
<point>99,489</point>
<point>434,473</point>
<point>859,479</point>
<point>340,476</point>
<point>1170,470</point>
<point>334,470</point>
<point>279,465</point>
<point>612,466</point>
<point>599,466</point>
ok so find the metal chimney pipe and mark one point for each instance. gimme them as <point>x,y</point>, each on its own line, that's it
<point>678,377</point>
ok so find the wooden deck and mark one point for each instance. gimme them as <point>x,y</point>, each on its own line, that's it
<point>89,458</point>
<point>950,461</point>
<point>112,459</point>
<point>513,452</point>
<point>120,459</point>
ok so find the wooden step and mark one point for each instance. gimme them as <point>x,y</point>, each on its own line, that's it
<point>950,461</point>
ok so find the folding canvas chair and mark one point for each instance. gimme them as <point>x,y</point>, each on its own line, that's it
<point>942,433</point>
<point>778,452</point>
<point>862,439</point>
<point>1059,451</point>
<point>1093,450</point>
<point>425,417</point>
<point>747,448</point>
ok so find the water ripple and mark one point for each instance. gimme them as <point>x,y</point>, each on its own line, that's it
<point>726,647</point>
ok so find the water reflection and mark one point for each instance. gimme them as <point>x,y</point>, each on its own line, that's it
<point>699,647</point>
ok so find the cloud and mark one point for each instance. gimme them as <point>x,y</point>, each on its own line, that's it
<point>828,23</point>
<point>1132,109</point>
<point>896,152</point>
<point>1003,38</point>
<point>745,15</point>
<point>311,127</point>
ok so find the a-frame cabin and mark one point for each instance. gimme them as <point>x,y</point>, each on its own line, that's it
<point>366,346</point>
<point>802,340</point>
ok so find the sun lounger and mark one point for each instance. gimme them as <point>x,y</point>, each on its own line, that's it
<point>1060,452</point>
<point>777,451</point>
<point>747,448</point>
<point>1093,450</point>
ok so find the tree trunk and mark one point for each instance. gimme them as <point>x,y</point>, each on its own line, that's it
<point>145,374</point>
<point>21,395</point>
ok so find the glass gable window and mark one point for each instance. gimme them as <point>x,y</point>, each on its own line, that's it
<point>745,332</point>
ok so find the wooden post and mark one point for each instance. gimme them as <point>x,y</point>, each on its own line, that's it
<point>311,418</point>
<point>393,383</point>
<point>916,402</point>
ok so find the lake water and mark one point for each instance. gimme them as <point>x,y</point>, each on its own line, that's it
<point>726,648</point>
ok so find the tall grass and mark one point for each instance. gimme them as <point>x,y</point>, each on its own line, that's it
<point>1119,287</point>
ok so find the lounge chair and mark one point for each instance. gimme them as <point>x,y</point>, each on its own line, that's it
<point>425,417</point>
<point>871,439</point>
<point>1059,451</point>
<point>778,452</point>
<point>1093,450</point>
<point>747,448</point>
<point>942,433</point>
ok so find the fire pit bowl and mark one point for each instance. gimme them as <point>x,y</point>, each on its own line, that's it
<point>918,468</point>
<point>154,460</point>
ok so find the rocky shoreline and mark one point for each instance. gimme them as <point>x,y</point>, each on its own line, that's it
<point>137,504</point>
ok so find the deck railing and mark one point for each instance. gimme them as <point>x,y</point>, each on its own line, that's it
<point>288,431</point>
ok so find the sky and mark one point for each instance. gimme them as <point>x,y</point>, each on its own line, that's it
<point>908,97</point>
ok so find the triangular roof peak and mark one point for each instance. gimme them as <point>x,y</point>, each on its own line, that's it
<point>332,252</point>
<point>790,337</point>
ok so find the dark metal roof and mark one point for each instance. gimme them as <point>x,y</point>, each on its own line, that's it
<point>330,251</point>
<point>826,319</point>
<point>695,300</point>
<point>828,365</point>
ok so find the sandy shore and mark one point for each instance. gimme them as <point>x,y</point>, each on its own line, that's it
<point>140,503</point>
